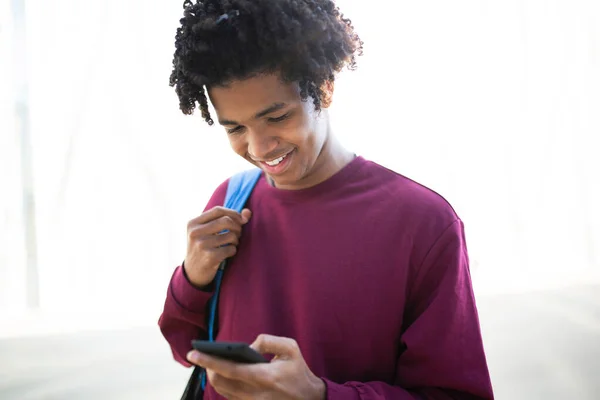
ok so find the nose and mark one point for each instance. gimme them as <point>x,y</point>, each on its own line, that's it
<point>261,146</point>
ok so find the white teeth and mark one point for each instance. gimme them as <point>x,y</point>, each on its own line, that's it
<point>275,161</point>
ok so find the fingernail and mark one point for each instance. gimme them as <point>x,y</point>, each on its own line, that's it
<point>193,356</point>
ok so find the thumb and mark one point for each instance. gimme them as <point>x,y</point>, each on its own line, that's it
<point>246,214</point>
<point>281,347</point>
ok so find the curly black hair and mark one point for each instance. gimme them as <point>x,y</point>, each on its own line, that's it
<point>305,41</point>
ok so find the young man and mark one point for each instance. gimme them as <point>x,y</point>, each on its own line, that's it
<point>354,278</point>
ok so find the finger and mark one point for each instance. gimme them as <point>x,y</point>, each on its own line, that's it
<point>214,213</point>
<point>246,215</point>
<point>249,373</point>
<point>221,253</point>
<point>214,257</point>
<point>215,227</point>
<point>225,223</point>
<point>281,347</point>
<point>228,388</point>
<point>215,241</point>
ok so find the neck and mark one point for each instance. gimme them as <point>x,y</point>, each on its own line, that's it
<point>332,158</point>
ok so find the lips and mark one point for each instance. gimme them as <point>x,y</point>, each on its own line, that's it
<point>277,165</point>
<point>276,161</point>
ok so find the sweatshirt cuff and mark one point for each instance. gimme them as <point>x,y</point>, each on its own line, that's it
<point>335,391</point>
<point>186,295</point>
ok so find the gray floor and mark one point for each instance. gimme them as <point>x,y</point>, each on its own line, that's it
<point>542,345</point>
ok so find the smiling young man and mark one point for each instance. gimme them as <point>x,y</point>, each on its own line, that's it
<point>353,278</point>
<point>290,141</point>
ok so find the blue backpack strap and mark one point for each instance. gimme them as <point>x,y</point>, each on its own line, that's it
<point>239,188</point>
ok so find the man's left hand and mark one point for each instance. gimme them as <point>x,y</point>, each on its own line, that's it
<point>286,377</point>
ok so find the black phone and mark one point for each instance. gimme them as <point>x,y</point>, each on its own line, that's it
<point>232,351</point>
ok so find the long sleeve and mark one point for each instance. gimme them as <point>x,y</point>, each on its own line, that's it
<point>184,315</point>
<point>442,355</point>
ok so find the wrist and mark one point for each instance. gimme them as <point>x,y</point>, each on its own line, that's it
<point>319,389</point>
<point>206,287</point>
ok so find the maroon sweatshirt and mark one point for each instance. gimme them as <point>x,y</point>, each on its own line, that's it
<point>367,271</point>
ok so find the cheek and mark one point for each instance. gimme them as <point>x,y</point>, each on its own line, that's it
<point>238,145</point>
<point>302,133</point>
<point>311,139</point>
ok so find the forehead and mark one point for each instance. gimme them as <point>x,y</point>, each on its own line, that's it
<point>241,99</point>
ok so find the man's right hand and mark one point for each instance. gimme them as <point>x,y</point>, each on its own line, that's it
<point>208,246</point>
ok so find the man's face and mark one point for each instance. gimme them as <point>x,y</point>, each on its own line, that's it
<point>269,125</point>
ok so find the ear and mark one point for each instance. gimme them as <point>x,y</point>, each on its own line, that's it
<point>327,93</point>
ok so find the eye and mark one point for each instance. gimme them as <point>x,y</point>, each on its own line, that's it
<point>279,119</point>
<point>233,131</point>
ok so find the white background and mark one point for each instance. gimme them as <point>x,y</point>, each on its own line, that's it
<point>495,105</point>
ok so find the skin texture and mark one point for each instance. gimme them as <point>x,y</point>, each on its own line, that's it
<point>207,247</point>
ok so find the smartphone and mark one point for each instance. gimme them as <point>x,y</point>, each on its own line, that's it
<point>232,351</point>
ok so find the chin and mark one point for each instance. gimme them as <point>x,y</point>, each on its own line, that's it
<point>291,179</point>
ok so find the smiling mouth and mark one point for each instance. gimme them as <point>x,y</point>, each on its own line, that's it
<point>276,161</point>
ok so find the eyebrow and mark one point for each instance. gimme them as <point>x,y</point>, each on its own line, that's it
<point>272,108</point>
